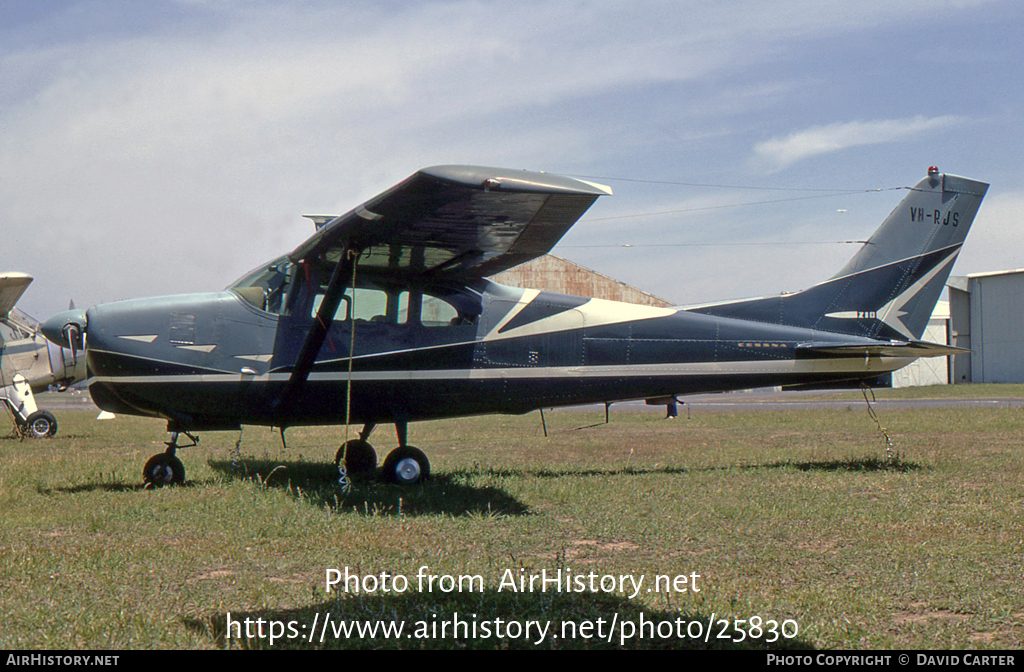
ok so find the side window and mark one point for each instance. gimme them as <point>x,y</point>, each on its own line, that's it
<point>437,312</point>
<point>366,304</point>
<point>402,308</point>
<point>398,306</point>
<point>6,333</point>
<point>10,331</point>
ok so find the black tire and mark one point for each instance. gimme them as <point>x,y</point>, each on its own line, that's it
<point>406,466</point>
<point>40,425</point>
<point>360,457</point>
<point>163,469</point>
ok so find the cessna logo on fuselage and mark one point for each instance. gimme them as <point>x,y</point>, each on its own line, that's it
<point>854,315</point>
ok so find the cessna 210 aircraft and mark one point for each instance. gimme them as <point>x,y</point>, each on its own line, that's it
<point>28,362</point>
<point>385,315</point>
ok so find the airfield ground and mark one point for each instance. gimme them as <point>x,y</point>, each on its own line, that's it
<point>785,514</point>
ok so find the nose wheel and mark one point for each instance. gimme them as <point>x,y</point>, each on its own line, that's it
<point>165,468</point>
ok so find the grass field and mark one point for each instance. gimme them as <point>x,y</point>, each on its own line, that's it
<point>789,515</point>
<point>968,391</point>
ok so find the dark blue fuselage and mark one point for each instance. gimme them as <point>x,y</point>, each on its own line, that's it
<point>215,361</point>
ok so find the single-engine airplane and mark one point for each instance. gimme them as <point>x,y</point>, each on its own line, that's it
<point>28,362</point>
<point>400,282</point>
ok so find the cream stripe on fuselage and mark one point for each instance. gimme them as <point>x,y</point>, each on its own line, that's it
<point>594,313</point>
<point>855,365</point>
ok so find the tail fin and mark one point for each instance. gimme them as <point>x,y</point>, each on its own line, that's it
<point>888,290</point>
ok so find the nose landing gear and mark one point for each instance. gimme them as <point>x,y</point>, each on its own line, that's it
<point>165,468</point>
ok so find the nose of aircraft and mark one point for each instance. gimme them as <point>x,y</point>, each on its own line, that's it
<point>66,329</point>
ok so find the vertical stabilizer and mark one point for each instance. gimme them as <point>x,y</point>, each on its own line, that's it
<point>889,288</point>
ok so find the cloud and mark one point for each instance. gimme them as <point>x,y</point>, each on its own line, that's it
<point>779,153</point>
<point>994,242</point>
<point>143,156</point>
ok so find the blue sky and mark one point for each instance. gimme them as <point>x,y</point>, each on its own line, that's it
<point>165,147</point>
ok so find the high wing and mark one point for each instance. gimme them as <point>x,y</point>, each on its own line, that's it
<point>12,286</point>
<point>456,221</point>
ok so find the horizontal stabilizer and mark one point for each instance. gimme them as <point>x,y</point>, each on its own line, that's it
<point>882,349</point>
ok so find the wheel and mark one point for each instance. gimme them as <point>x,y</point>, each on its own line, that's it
<point>406,466</point>
<point>40,425</point>
<point>163,469</point>
<point>360,457</point>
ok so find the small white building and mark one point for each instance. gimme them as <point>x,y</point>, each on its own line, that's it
<point>929,370</point>
<point>987,317</point>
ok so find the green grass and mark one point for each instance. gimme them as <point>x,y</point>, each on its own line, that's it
<point>966,391</point>
<point>784,515</point>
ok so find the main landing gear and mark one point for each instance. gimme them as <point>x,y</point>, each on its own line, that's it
<point>20,401</point>
<point>39,425</point>
<point>404,465</point>
<point>165,468</point>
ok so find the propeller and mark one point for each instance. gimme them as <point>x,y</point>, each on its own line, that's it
<point>72,334</point>
<point>66,329</point>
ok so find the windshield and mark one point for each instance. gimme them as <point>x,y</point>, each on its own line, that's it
<point>267,286</point>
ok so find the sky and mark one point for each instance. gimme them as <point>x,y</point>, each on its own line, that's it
<point>170,146</point>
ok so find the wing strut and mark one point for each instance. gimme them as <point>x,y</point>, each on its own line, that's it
<point>317,333</point>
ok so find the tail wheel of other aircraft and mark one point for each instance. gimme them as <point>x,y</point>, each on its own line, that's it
<point>163,469</point>
<point>359,456</point>
<point>406,465</point>
<point>40,425</point>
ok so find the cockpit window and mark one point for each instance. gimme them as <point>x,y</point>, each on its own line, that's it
<point>274,288</point>
<point>16,326</point>
<point>267,287</point>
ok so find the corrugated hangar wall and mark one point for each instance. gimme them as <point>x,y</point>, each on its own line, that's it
<point>987,317</point>
<point>554,274</point>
